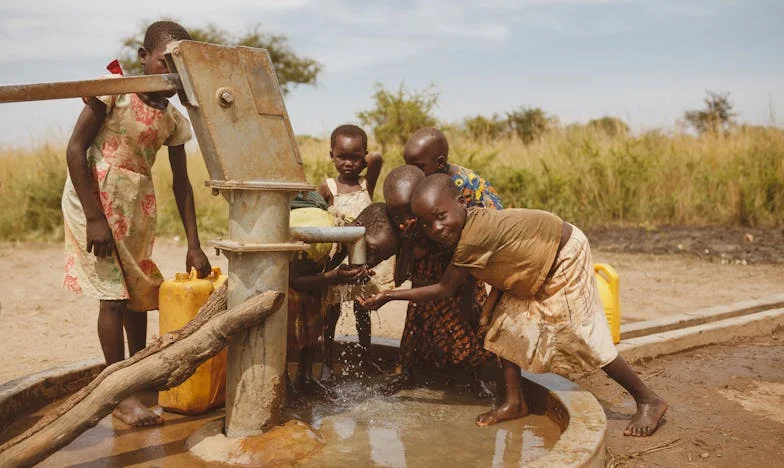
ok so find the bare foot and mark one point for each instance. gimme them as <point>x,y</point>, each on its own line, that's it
<point>327,375</point>
<point>372,368</point>
<point>311,386</point>
<point>504,412</point>
<point>398,383</point>
<point>296,401</point>
<point>131,411</point>
<point>646,420</point>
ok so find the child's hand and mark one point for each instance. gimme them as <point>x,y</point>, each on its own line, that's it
<point>373,302</point>
<point>484,325</point>
<point>99,238</point>
<point>354,274</point>
<point>196,258</point>
<point>408,226</point>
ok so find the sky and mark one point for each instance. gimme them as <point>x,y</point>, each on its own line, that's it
<point>646,61</point>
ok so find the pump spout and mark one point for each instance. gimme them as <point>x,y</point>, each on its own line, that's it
<point>352,236</point>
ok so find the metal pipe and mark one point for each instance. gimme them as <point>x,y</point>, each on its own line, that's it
<point>352,236</point>
<point>313,234</point>
<point>357,252</point>
<point>256,362</point>
<point>100,87</point>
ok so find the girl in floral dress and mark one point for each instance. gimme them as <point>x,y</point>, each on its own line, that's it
<point>109,208</point>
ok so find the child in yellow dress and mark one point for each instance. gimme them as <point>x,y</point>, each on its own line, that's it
<point>109,207</point>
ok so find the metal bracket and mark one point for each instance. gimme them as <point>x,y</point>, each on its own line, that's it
<point>274,185</point>
<point>236,247</point>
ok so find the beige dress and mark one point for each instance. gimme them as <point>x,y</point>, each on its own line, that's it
<point>550,317</point>
<point>346,207</point>
<point>562,329</point>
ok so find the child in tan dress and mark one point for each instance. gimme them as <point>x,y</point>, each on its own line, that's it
<point>347,195</point>
<point>544,313</point>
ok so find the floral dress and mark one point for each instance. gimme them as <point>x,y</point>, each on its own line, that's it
<point>121,159</point>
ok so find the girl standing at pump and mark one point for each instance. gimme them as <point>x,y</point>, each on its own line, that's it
<point>109,208</point>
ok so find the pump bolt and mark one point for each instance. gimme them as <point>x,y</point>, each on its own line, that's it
<point>225,97</point>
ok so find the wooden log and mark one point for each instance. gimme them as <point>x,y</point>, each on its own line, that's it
<point>174,358</point>
<point>215,305</point>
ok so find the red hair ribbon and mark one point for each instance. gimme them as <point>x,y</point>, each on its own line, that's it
<point>114,67</point>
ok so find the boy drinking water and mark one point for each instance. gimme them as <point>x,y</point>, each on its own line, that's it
<point>544,313</point>
<point>311,272</point>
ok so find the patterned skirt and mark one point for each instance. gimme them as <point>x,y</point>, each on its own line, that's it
<point>439,333</point>
<point>304,320</point>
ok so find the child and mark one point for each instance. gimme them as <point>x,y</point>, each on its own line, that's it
<point>347,196</point>
<point>436,333</point>
<point>425,262</point>
<point>308,278</point>
<point>549,316</point>
<point>428,150</point>
<point>109,208</point>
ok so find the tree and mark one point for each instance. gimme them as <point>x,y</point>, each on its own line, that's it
<point>610,126</point>
<point>397,114</point>
<point>530,123</point>
<point>290,68</point>
<point>482,128</point>
<point>716,116</point>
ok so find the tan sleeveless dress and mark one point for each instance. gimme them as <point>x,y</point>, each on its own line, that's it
<point>346,207</point>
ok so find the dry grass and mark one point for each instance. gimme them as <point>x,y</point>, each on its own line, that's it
<point>583,175</point>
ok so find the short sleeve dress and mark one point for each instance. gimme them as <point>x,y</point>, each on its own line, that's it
<point>121,159</point>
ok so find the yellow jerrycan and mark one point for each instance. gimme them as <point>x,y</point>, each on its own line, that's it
<point>179,302</point>
<point>607,280</point>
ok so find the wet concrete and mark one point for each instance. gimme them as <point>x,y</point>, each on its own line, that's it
<point>422,427</point>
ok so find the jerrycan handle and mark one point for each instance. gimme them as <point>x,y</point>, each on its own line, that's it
<point>216,272</point>
<point>609,274</point>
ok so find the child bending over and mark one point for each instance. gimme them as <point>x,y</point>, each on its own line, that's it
<point>424,261</point>
<point>436,333</point>
<point>545,313</point>
<point>109,207</point>
<point>347,195</point>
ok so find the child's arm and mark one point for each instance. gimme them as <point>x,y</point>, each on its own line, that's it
<point>453,278</point>
<point>99,234</point>
<point>303,277</point>
<point>323,190</point>
<point>183,194</point>
<point>487,310</point>
<point>374,163</point>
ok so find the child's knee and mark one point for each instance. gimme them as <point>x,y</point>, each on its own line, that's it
<point>115,307</point>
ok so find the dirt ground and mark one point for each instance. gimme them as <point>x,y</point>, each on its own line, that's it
<point>722,415</point>
<point>42,325</point>
<point>727,407</point>
<point>733,245</point>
